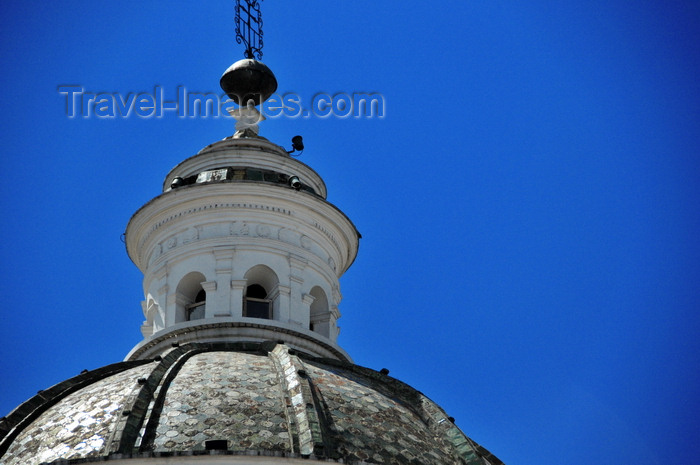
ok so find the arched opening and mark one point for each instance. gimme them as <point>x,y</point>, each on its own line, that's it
<point>195,310</point>
<point>256,304</point>
<point>320,315</point>
<point>258,300</point>
<point>190,298</point>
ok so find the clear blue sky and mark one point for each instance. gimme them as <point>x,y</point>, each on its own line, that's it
<point>529,205</point>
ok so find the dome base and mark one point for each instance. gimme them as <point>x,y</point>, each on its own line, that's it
<point>232,330</point>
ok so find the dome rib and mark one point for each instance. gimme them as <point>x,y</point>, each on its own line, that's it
<point>136,413</point>
<point>148,405</point>
<point>309,431</point>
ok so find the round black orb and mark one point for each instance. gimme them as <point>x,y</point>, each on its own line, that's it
<point>248,80</point>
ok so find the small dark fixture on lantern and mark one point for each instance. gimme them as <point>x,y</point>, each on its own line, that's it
<point>177,182</point>
<point>297,145</point>
<point>294,182</point>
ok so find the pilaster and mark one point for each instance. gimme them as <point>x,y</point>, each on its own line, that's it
<point>305,307</point>
<point>281,308</point>
<point>237,291</point>
<point>298,313</point>
<point>210,288</point>
<point>221,301</point>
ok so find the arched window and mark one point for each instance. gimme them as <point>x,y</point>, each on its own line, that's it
<point>260,293</point>
<point>256,304</point>
<point>190,298</point>
<point>195,310</point>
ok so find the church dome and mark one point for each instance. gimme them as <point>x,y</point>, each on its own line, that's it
<point>234,401</point>
<point>241,255</point>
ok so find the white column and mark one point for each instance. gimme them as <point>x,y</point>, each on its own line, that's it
<point>298,313</point>
<point>280,307</point>
<point>237,291</point>
<point>171,302</point>
<point>333,328</point>
<point>210,288</point>
<point>306,301</point>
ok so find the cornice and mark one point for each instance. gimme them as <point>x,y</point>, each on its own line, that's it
<point>255,197</point>
<point>231,330</point>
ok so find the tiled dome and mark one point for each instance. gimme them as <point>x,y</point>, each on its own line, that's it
<point>235,400</point>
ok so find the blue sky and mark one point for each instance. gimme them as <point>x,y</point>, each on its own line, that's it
<point>528,204</point>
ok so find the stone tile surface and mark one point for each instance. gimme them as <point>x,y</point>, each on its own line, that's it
<point>367,425</point>
<point>279,403</point>
<point>224,395</point>
<point>79,425</point>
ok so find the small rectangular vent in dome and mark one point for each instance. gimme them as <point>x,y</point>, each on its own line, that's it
<point>216,444</point>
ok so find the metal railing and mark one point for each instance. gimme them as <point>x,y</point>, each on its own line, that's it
<point>257,308</point>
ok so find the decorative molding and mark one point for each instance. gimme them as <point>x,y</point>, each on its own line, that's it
<point>262,230</point>
<point>326,232</point>
<point>209,286</point>
<point>288,236</point>
<point>246,229</point>
<point>307,299</point>
<point>239,229</point>
<point>335,312</point>
<point>337,296</point>
<point>224,259</point>
<point>170,243</point>
<point>189,331</point>
<point>296,262</point>
<point>283,290</point>
<point>223,253</point>
<point>191,235</point>
<point>146,329</point>
<point>211,206</point>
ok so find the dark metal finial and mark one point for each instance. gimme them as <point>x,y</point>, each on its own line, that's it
<point>249,27</point>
